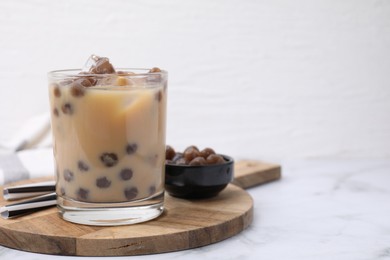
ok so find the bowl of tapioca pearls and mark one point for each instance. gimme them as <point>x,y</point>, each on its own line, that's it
<point>195,173</point>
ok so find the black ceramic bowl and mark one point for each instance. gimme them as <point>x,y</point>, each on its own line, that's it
<point>196,182</point>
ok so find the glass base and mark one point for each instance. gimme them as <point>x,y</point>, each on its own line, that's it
<point>110,214</point>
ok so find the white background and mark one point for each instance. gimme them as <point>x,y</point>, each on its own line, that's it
<point>254,79</point>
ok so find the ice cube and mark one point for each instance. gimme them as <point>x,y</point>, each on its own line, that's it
<point>91,62</point>
<point>98,65</point>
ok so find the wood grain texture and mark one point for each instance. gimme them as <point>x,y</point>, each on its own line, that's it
<point>249,173</point>
<point>184,224</point>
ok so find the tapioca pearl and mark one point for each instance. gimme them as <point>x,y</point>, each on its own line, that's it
<point>91,80</point>
<point>62,191</point>
<point>67,109</point>
<point>88,82</point>
<point>121,81</point>
<point>206,152</point>
<point>131,148</point>
<point>85,81</point>
<point>55,112</point>
<point>103,66</point>
<point>126,174</point>
<point>109,159</point>
<point>154,70</point>
<point>82,194</point>
<point>56,91</point>
<point>198,161</point>
<point>152,190</point>
<point>190,154</point>
<point>191,147</point>
<point>158,96</point>
<point>82,166</point>
<point>103,182</point>
<point>77,90</point>
<point>131,193</point>
<point>215,159</point>
<point>169,152</point>
<point>68,175</point>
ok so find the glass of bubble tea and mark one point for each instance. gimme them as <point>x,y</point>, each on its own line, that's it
<point>108,129</point>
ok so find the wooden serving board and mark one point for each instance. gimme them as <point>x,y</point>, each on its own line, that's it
<point>184,224</point>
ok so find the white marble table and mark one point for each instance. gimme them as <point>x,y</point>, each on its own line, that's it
<point>318,210</point>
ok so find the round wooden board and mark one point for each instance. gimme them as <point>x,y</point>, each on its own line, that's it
<point>184,224</point>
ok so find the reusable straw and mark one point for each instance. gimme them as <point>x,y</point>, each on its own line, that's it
<point>28,206</point>
<point>28,190</point>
